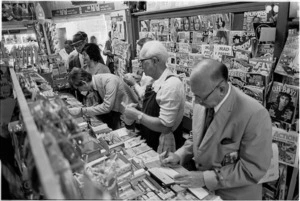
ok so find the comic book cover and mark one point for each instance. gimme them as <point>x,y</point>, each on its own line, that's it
<point>163,37</point>
<point>220,50</point>
<point>197,37</point>
<point>223,21</point>
<point>261,66</point>
<point>145,25</point>
<point>207,50</point>
<point>239,64</point>
<point>239,37</point>
<point>282,102</point>
<point>182,59</point>
<point>196,48</point>
<point>228,61</point>
<point>246,45</point>
<point>194,59</point>
<point>164,26</point>
<point>253,17</point>
<point>237,78</point>
<point>287,145</point>
<point>255,92</point>
<point>265,50</point>
<point>184,47</point>
<point>288,63</point>
<point>183,37</point>
<point>256,79</point>
<point>220,37</point>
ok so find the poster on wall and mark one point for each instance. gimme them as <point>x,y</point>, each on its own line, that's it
<point>118,28</point>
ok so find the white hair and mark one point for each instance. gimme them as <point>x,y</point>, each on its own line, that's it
<point>155,49</point>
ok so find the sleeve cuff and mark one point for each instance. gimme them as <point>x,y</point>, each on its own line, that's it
<point>210,180</point>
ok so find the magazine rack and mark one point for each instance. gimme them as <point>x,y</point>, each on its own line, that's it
<point>49,182</point>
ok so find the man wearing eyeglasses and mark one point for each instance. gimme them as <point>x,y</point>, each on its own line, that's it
<point>163,103</point>
<point>232,137</point>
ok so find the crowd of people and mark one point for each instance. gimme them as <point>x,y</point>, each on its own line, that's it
<point>231,146</point>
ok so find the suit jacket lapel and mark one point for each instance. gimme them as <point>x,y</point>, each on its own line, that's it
<point>220,119</point>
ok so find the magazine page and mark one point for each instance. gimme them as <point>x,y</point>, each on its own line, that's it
<point>282,102</point>
<point>223,21</point>
<point>288,63</point>
<point>287,143</point>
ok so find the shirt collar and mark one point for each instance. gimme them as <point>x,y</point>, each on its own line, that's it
<point>157,83</point>
<point>224,99</point>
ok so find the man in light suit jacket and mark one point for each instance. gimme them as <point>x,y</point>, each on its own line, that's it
<point>112,92</point>
<point>233,152</point>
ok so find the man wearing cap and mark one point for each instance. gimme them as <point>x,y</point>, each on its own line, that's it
<point>76,57</point>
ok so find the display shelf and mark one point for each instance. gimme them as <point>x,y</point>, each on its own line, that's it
<point>49,182</point>
<point>17,25</point>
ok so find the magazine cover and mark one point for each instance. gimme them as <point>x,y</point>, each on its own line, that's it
<point>238,37</point>
<point>220,50</point>
<point>197,37</point>
<point>196,48</point>
<point>207,50</point>
<point>287,145</point>
<point>223,21</point>
<point>182,59</point>
<point>265,50</point>
<point>255,92</point>
<point>194,59</point>
<point>183,37</point>
<point>145,25</point>
<point>184,47</point>
<point>176,24</point>
<point>261,66</point>
<point>282,102</point>
<point>237,78</point>
<point>220,37</point>
<point>228,61</point>
<point>253,17</point>
<point>256,79</point>
<point>154,26</point>
<point>288,63</point>
<point>186,23</point>
<point>241,65</point>
<point>164,27</point>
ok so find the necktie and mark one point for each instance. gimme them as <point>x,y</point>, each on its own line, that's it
<point>210,112</point>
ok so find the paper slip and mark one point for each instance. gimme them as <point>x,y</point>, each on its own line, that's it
<point>199,192</point>
<point>168,171</point>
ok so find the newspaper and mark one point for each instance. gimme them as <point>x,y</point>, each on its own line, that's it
<point>287,143</point>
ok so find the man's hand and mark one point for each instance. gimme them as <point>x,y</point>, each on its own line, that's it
<point>129,79</point>
<point>192,179</point>
<point>76,111</point>
<point>169,159</point>
<point>131,112</point>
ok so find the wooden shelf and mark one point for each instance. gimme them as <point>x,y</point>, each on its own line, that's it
<point>49,181</point>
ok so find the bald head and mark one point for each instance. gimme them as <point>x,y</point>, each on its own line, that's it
<point>209,70</point>
<point>209,82</point>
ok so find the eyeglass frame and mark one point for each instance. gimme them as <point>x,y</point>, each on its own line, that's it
<point>141,60</point>
<point>206,97</point>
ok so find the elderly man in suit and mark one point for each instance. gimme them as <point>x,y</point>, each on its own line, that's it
<point>232,137</point>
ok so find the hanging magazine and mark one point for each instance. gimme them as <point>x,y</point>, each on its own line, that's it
<point>288,63</point>
<point>287,145</point>
<point>253,17</point>
<point>223,21</point>
<point>282,102</point>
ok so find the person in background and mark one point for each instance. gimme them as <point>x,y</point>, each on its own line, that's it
<point>64,53</point>
<point>93,39</point>
<point>110,56</point>
<point>93,60</point>
<point>112,93</point>
<point>231,147</point>
<point>163,104</point>
<point>76,58</point>
<point>139,81</point>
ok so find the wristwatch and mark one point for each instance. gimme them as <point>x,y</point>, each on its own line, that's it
<point>140,116</point>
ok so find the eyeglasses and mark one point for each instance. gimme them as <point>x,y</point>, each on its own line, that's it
<point>141,60</point>
<point>78,43</point>
<point>206,97</point>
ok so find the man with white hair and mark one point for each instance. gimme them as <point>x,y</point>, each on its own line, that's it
<point>163,103</point>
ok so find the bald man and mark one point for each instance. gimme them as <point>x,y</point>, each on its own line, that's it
<point>163,103</point>
<point>232,138</point>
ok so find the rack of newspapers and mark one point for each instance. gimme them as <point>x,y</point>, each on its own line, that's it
<point>79,157</point>
<point>249,56</point>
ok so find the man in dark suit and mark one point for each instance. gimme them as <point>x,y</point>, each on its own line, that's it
<point>232,137</point>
